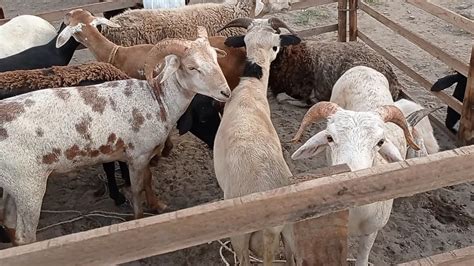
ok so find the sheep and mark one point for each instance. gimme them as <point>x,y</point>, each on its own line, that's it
<point>41,56</point>
<point>150,26</point>
<point>23,32</point>
<point>423,129</point>
<point>357,130</point>
<point>159,4</point>
<point>308,71</point>
<point>126,120</point>
<point>452,117</point>
<point>247,152</point>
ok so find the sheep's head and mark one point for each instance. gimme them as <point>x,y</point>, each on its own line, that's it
<point>79,24</point>
<point>192,64</point>
<point>354,138</point>
<point>262,35</point>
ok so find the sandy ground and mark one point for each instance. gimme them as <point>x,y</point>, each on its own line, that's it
<point>422,225</point>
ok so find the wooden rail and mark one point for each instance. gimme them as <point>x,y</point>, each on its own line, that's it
<point>448,99</point>
<point>458,257</point>
<point>310,3</point>
<point>417,40</point>
<point>317,30</point>
<point>466,129</point>
<point>193,226</point>
<point>444,14</point>
<point>94,8</point>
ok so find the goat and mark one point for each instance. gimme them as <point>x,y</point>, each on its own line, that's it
<point>24,32</point>
<point>356,132</point>
<point>126,120</point>
<point>307,72</point>
<point>247,152</point>
<point>42,56</point>
<point>452,117</point>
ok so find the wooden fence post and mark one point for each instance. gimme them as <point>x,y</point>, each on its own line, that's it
<point>466,128</point>
<point>342,20</point>
<point>353,5</point>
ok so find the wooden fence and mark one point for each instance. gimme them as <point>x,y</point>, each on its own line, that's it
<point>318,206</point>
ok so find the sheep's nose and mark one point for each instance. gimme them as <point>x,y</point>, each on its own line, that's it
<point>226,94</point>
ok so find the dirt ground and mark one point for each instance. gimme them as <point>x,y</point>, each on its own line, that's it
<point>420,226</point>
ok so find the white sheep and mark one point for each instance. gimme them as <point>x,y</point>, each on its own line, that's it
<point>24,32</point>
<point>248,156</point>
<point>357,134</point>
<point>60,130</point>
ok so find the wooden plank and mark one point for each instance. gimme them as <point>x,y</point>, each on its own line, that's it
<point>317,30</point>
<point>197,225</point>
<point>458,257</point>
<point>353,5</point>
<point>342,20</point>
<point>417,40</point>
<point>310,3</point>
<point>447,99</point>
<point>466,129</point>
<point>444,14</point>
<point>95,8</point>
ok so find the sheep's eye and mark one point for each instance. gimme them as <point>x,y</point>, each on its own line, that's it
<point>380,143</point>
<point>330,139</point>
<point>275,48</point>
<point>192,68</point>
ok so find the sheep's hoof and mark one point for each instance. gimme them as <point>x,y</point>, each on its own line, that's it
<point>157,207</point>
<point>119,199</point>
<point>5,235</point>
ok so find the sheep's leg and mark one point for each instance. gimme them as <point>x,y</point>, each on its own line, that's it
<point>114,192</point>
<point>125,173</point>
<point>240,244</point>
<point>7,234</point>
<point>288,237</point>
<point>271,241</point>
<point>285,98</point>
<point>28,209</point>
<point>365,245</point>
<point>137,171</point>
<point>152,200</point>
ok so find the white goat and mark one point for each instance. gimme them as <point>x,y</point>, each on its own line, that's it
<point>355,135</point>
<point>247,152</point>
<point>59,130</point>
<point>24,32</point>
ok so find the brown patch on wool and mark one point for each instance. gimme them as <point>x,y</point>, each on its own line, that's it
<point>110,147</point>
<point>62,94</point>
<point>10,111</point>
<point>3,134</point>
<point>39,132</point>
<point>83,127</point>
<point>52,157</point>
<point>149,116</point>
<point>92,98</point>
<point>112,103</point>
<point>131,146</point>
<point>112,137</point>
<point>72,152</point>
<point>128,90</point>
<point>137,120</point>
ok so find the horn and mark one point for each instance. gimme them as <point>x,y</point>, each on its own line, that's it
<point>276,24</point>
<point>391,113</point>
<point>239,22</point>
<point>414,118</point>
<point>160,51</point>
<point>319,111</point>
<point>202,32</point>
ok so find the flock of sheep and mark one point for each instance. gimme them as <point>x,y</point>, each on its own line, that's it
<point>163,68</point>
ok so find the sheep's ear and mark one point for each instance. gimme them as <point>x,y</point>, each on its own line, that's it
<point>171,65</point>
<point>312,147</point>
<point>289,39</point>
<point>64,36</point>
<point>220,53</point>
<point>185,122</point>
<point>103,21</point>
<point>235,41</point>
<point>390,152</point>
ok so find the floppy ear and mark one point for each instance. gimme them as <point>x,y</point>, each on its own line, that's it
<point>220,53</point>
<point>289,39</point>
<point>235,41</point>
<point>103,21</point>
<point>390,153</point>
<point>185,122</point>
<point>312,147</point>
<point>64,36</point>
<point>171,65</point>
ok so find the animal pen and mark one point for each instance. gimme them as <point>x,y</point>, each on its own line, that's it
<point>318,204</point>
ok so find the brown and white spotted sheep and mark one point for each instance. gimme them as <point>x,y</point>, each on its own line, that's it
<point>60,130</point>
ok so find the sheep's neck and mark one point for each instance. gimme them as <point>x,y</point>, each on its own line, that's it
<point>100,46</point>
<point>172,99</point>
<point>262,60</point>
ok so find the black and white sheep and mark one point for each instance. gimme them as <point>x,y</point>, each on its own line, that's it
<point>307,72</point>
<point>452,117</point>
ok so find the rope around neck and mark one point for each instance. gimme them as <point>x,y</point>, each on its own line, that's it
<point>112,54</point>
